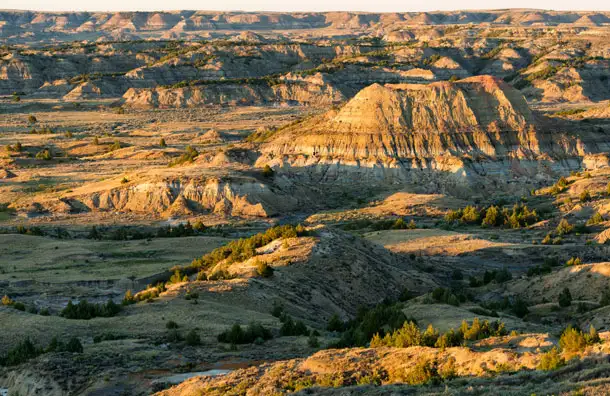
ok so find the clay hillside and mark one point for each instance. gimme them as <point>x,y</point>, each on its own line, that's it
<point>339,203</point>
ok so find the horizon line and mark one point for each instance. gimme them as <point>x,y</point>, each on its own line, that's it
<point>306,11</point>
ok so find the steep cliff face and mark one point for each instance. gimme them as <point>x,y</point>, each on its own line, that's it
<point>300,92</point>
<point>175,197</point>
<point>476,126</point>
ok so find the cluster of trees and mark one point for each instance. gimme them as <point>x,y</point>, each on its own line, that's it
<point>494,216</point>
<point>563,228</point>
<point>398,224</point>
<point>9,302</point>
<point>425,371</point>
<point>595,219</point>
<point>410,335</point>
<point>499,276</point>
<point>289,326</point>
<point>545,268</point>
<point>573,261</point>
<point>572,341</point>
<point>447,296</point>
<point>560,186</point>
<point>192,337</point>
<point>16,148</point>
<point>147,294</point>
<point>27,350</point>
<point>85,310</point>
<point>42,131</point>
<point>243,249</point>
<point>368,322</point>
<point>517,306</point>
<point>127,233</point>
<point>255,332</point>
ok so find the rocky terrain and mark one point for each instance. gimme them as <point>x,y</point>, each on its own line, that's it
<point>316,203</point>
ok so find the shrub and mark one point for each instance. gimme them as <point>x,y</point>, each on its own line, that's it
<point>574,261</point>
<point>457,274</point>
<point>116,145</point>
<point>192,338</point>
<point>85,310</point>
<point>519,308</point>
<point>548,239</point>
<point>312,341</point>
<point>202,276</point>
<point>74,346</point>
<point>572,340</point>
<point>236,335</point>
<point>171,325</point>
<point>595,219</point>
<point>605,298</point>
<point>177,277</point>
<point>162,143</point>
<point>32,119</point>
<point>449,339</point>
<point>291,328</point>
<point>565,298</point>
<point>492,217</point>
<point>585,196</point>
<point>6,300</point>
<point>551,360</point>
<point>423,372</point>
<point>407,336</point>
<point>592,337</point>
<point>445,296</point>
<point>263,269</point>
<point>21,353</point>
<point>129,298</point>
<point>448,370</point>
<point>44,154</point>
<point>564,227</point>
<point>267,171</point>
<point>96,141</point>
<point>189,156</point>
<point>244,249</point>
<point>430,336</point>
<point>335,324</point>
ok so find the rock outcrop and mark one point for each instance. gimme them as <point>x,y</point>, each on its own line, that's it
<point>473,127</point>
<point>234,94</point>
<point>245,198</point>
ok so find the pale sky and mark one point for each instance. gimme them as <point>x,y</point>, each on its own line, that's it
<point>307,5</point>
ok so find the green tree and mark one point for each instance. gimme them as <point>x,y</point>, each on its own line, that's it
<point>264,269</point>
<point>74,346</point>
<point>564,227</point>
<point>572,340</point>
<point>192,338</point>
<point>492,217</point>
<point>551,360</point>
<point>267,171</point>
<point>565,298</point>
<point>585,196</point>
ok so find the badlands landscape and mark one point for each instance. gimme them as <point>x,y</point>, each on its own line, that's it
<point>341,203</point>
